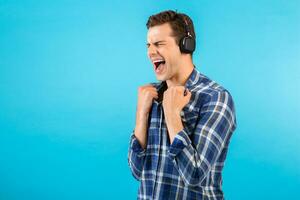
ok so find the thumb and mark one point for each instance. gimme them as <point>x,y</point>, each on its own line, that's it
<point>188,95</point>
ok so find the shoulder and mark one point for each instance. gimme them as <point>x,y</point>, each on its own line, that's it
<point>214,102</point>
<point>208,91</point>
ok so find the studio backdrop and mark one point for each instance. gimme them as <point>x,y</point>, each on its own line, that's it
<point>69,73</point>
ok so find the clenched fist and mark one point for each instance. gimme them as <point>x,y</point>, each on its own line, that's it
<point>173,102</point>
<point>174,99</point>
<point>146,94</point>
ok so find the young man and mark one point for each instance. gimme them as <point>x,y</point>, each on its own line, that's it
<point>184,123</point>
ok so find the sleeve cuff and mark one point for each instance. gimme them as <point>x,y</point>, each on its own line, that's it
<point>181,141</point>
<point>135,145</point>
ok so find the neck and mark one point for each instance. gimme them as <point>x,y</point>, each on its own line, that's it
<point>184,71</point>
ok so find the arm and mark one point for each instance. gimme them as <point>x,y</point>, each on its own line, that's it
<point>136,156</point>
<point>194,158</point>
<point>138,140</point>
<point>137,146</point>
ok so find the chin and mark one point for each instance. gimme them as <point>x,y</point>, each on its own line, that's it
<point>161,78</point>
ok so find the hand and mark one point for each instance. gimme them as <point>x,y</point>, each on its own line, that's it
<point>173,102</point>
<point>146,94</point>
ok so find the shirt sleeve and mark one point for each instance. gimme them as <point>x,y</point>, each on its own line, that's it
<point>194,156</point>
<point>136,157</point>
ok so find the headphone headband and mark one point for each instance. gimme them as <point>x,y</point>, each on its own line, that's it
<point>184,22</point>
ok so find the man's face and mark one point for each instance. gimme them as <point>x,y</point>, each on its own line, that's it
<point>163,52</point>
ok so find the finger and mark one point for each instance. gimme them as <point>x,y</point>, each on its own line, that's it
<point>181,89</point>
<point>153,91</point>
<point>151,88</point>
<point>188,95</point>
<point>148,86</point>
<point>147,89</point>
<point>185,92</point>
<point>154,94</point>
<point>155,97</point>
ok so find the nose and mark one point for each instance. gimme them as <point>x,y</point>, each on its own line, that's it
<point>151,51</point>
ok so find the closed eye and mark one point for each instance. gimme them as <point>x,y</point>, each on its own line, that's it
<point>157,44</point>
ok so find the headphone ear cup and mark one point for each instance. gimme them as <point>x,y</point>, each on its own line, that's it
<point>187,44</point>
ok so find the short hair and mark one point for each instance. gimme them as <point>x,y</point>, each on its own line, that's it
<point>179,23</point>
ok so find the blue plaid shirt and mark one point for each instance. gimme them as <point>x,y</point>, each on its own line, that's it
<point>190,167</point>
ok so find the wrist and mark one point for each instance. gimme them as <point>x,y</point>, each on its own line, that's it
<point>174,125</point>
<point>173,118</point>
<point>142,115</point>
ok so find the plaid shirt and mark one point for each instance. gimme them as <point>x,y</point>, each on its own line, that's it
<point>190,167</point>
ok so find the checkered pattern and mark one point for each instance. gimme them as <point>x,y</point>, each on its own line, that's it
<point>190,167</point>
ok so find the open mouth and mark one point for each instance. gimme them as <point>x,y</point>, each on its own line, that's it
<point>159,65</point>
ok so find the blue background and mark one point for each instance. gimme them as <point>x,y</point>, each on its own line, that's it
<point>69,73</point>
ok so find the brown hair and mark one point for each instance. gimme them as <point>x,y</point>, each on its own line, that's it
<point>179,23</point>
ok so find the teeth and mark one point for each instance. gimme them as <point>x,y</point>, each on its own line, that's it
<point>158,61</point>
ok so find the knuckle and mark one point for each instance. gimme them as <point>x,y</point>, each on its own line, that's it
<point>140,88</point>
<point>180,88</point>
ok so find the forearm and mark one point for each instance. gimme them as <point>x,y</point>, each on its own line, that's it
<point>193,166</point>
<point>138,145</point>
<point>136,157</point>
<point>140,130</point>
<point>174,125</point>
<point>195,153</point>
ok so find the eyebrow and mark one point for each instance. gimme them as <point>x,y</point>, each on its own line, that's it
<point>155,43</point>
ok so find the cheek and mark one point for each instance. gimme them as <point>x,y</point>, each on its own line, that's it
<point>162,52</point>
<point>174,53</point>
<point>172,58</point>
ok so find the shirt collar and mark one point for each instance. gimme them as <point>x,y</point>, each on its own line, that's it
<point>193,78</point>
